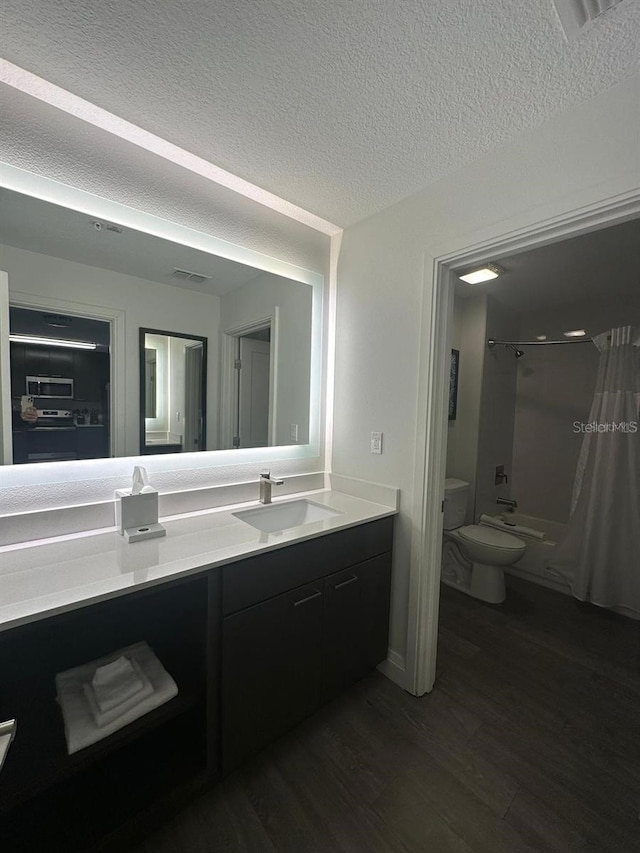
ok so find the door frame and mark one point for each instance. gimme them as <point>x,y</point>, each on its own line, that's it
<point>228,389</point>
<point>432,419</point>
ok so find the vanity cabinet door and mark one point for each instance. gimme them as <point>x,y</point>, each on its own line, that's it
<point>270,664</point>
<point>356,623</point>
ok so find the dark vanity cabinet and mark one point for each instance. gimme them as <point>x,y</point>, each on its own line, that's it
<point>286,652</point>
<point>356,623</point>
<point>272,654</point>
<point>53,801</point>
<point>255,647</point>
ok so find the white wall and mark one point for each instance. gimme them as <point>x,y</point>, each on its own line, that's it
<point>385,276</point>
<point>144,303</point>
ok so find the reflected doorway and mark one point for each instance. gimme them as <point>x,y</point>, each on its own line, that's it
<point>252,370</point>
<point>60,386</point>
<point>172,392</point>
<point>249,385</point>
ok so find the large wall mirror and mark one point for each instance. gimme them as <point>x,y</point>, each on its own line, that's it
<point>126,343</point>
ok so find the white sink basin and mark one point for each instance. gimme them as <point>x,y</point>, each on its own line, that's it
<point>282,516</point>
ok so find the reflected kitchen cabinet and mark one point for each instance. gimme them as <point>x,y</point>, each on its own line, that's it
<point>91,374</point>
<point>18,371</point>
<point>48,361</point>
<point>92,442</point>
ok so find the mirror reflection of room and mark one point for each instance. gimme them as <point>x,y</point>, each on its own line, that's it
<point>74,264</point>
<point>253,411</point>
<point>60,383</point>
<point>173,392</point>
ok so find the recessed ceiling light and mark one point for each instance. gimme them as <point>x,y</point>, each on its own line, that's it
<point>486,273</point>
<point>541,337</point>
<point>51,342</point>
<point>577,333</point>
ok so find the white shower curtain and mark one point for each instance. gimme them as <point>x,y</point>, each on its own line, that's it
<point>600,555</point>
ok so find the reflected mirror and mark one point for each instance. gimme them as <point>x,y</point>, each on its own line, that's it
<point>173,384</point>
<point>256,368</point>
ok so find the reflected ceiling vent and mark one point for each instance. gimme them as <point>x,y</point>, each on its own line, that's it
<point>577,15</point>
<point>57,320</point>
<point>188,275</point>
<point>106,226</point>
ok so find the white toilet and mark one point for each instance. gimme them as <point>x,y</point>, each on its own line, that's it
<point>473,556</point>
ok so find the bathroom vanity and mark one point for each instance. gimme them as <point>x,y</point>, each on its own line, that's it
<point>257,629</point>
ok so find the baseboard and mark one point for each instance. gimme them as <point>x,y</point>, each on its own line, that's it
<point>394,669</point>
<point>549,583</point>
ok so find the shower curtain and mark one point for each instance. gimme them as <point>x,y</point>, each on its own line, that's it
<point>600,555</point>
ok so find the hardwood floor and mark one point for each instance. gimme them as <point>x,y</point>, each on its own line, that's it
<point>530,741</point>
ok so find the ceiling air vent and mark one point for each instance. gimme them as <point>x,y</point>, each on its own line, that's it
<point>188,275</point>
<point>577,15</point>
<point>58,320</point>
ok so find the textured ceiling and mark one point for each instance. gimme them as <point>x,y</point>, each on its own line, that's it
<point>342,107</point>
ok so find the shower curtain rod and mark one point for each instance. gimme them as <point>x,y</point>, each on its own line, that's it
<point>492,343</point>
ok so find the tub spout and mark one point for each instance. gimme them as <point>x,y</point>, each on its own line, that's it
<point>510,505</point>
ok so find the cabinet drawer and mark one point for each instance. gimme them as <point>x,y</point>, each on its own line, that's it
<point>266,575</point>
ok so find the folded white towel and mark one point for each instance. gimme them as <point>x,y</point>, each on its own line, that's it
<point>114,683</point>
<point>103,718</point>
<point>80,726</point>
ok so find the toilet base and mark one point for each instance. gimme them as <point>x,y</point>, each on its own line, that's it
<point>487,583</point>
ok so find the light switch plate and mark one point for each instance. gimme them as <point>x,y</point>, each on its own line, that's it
<point>376,442</point>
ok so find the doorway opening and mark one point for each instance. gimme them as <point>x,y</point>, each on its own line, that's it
<point>60,386</point>
<point>434,379</point>
<point>248,409</point>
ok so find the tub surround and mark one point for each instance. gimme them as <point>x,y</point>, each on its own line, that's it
<point>50,576</point>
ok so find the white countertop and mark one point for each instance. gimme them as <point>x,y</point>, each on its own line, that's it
<point>45,577</point>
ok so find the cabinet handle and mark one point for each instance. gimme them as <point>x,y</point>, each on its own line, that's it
<point>308,598</point>
<point>347,582</point>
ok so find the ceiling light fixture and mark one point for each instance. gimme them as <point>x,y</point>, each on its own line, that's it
<point>541,337</point>
<point>51,342</point>
<point>577,333</point>
<point>486,273</point>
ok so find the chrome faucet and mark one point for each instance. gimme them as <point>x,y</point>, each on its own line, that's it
<point>266,481</point>
<point>510,505</point>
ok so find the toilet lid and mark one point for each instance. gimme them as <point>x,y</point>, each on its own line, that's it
<point>489,536</point>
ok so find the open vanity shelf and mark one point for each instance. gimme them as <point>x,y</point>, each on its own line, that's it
<point>254,646</point>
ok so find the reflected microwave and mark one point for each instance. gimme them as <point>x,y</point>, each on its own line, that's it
<point>50,386</point>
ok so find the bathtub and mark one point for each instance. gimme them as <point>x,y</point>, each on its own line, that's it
<point>533,566</point>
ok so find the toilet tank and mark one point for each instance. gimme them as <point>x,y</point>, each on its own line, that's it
<point>456,493</point>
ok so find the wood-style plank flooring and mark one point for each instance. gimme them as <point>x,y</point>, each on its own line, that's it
<point>530,741</point>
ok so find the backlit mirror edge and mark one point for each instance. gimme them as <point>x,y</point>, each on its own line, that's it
<point>47,189</point>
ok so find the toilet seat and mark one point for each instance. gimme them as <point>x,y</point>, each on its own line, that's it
<point>488,536</point>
